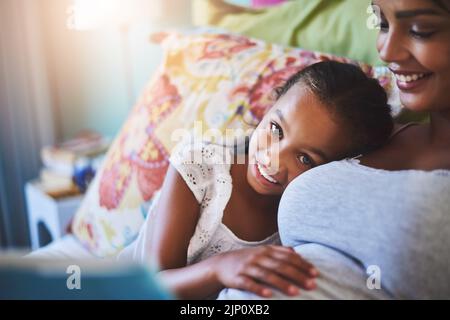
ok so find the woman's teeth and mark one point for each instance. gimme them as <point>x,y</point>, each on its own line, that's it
<point>410,78</point>
<point>265,174</point>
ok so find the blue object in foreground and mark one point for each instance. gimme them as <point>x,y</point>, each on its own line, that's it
<point>29,279</point>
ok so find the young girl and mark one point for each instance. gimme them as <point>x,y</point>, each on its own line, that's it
<point>214,224</point>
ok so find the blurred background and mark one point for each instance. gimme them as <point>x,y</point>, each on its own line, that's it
<point>67,66</point>
<point>70,72</point>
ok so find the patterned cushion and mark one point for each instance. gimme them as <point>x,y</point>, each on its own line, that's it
<point>224,81</point>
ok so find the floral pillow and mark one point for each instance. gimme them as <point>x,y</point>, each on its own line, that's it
<point>219,81</point>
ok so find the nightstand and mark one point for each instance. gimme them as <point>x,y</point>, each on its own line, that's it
<point>48,218</point>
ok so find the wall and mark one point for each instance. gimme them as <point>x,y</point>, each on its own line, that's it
<point>26,117</point>
<point>53,83</point>
<point>89,71</point>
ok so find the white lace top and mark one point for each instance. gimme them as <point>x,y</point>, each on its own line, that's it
<point>206,170</point>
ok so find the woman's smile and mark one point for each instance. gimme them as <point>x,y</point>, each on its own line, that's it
<point>414,40</point>
<point>409,81</point>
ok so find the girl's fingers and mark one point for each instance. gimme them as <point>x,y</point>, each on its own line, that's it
<point>271,278</point>
<point>295,260</point>
<point>281,248</point>
<point>247,283</point>
<point>289,272</point>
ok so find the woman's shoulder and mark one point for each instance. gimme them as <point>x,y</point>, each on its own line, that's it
<point>409,149</point>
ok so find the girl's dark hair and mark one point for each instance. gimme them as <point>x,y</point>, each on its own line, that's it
<point>352,97</point>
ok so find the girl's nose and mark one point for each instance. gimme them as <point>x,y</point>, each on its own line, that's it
<point>270,158</point>
<point>264,157</point>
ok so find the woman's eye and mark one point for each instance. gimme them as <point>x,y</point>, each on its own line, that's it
<point>305,160</point>
<point>384,26</point>
<point>276,130</point>
<point>421,34</point>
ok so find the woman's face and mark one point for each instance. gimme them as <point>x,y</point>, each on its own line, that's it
<point>297,134</point>
<point>415,40</point>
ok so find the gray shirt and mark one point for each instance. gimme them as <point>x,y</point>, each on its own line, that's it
<point>348,219</point>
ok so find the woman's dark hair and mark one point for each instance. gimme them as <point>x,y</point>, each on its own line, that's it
<point>442,5</point>
<point>353,98</point>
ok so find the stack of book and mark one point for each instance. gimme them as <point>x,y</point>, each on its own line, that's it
<point>71,165</point>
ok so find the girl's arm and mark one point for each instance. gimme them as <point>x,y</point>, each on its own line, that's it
<point>176,216</point>
<point>257,270</point>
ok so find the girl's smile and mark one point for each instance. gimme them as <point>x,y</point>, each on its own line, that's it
<point>264,179</point>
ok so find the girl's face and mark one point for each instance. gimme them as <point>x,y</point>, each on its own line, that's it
<point>415,40</point>
<point>297,134</point>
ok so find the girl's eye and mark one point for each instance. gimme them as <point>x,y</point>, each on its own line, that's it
<point>305,160</point>
<point>276,130</point>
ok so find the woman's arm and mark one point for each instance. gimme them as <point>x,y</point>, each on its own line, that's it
<point>255,269</point>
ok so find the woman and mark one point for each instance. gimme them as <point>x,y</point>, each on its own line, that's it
<point>379,226</point>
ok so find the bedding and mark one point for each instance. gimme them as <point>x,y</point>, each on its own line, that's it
<point>207,81</point>
<point>67,247</point>
<point>256,3</point>
<point>346,28</point>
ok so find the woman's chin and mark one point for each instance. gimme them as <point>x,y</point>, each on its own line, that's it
<point>425,98</point>
<point>414,102</point>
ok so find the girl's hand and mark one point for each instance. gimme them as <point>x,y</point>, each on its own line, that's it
<point>259,269</point>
